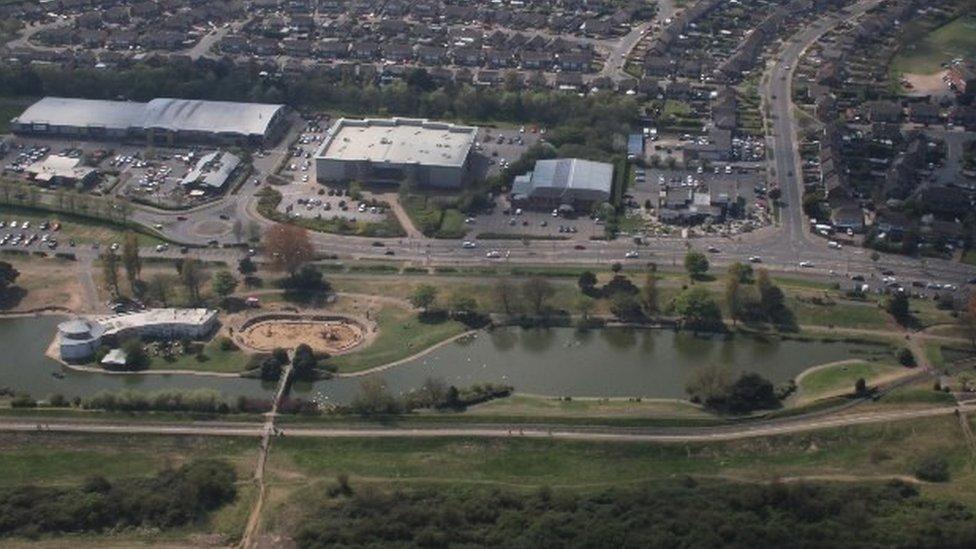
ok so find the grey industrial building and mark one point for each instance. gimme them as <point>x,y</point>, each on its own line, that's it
<point>564,183</point>
<point>161,121</point>
<point>430,154</point>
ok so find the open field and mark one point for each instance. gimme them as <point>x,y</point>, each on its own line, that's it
<point>48,282</point>
<point>839,378</point>
<point>400,334</point>
<point>845,453</point>
<point>955,39</point>
<point>212,359</point>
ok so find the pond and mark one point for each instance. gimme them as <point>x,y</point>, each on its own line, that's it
<point>614,362</point>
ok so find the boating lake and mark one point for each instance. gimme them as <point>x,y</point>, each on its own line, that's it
<point>612,362</point>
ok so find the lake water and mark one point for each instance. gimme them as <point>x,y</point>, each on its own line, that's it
<point>618,362</point>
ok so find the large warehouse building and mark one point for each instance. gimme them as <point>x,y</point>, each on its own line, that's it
<point>163,121</point>
<point>430,154</point>
<point>564,183</point>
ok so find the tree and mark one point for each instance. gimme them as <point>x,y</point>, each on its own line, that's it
<point>771,298</point>
<point>8,276</point>
<point>462,304</point>
<point>423,297</point>
<point>135,354</point>
<point>537,291</point>
<point>710,384</point>
<point>897,306</point>
<point>584,304</point>
<point>751,392</point>
<point>741,271</point>
<point>130,259</point>
<point>969,317</point>
<point>223,283</point>
<point>625,307</point>
<point>246,267</point>
<point>158,288</point>
<point>288,247</point>
<point>697,309</point>
<point>375,399</point>
<point>304,364</point>
<point>505,293</point>
<point>649,296</point>
<point>191,276</point>
<point>906,357</point>
<point>696,264</point>
<point>110,270</point>
<point>860,387</point>
<point>587,282</point>
<point>733,297</point>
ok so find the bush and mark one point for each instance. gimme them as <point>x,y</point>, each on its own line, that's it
<point>226,344</point>
<point>906,357</point>
<point>23,400</point>
<point>932,468</point>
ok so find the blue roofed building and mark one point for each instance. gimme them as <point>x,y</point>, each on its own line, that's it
<point>564,183</point>
<point>635,146</point>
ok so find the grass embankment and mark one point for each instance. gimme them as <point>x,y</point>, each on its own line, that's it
<point>839,378</point>
<point>850,453</point>
<point>926,56</point>
<point>401,334</point>
<point>530,406</point>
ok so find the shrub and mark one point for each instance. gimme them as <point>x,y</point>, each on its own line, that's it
<point>933,468</point>
<point>906,358</point>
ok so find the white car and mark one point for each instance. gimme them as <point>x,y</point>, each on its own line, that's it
<point>755,259</point>
<point>806,264</point>
<point>493,254</point>
<point>162,247</point>
<point>467,244</point>
<point>632,254</point>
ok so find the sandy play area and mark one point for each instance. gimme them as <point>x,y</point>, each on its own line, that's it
<point>332,336</point>
<point>924,84</point>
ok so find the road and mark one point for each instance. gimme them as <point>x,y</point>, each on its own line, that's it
<point>617,57</point>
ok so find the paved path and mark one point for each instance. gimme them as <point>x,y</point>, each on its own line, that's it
<point>594,434</point>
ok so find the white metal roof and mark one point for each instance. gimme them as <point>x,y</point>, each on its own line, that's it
<point>398,141</point>
<point>170,114</point>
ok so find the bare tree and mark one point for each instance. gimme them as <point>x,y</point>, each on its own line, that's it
<point>131,260</point>
<point>110,270</point>
<point>288,247</point>
<point>506,294</point>
<point>537,291</point>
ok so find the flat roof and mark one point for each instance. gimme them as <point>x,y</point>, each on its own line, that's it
<point>171,114</point>
<point>398,141</point>
<point>212,170</point>
<point>152,317</point>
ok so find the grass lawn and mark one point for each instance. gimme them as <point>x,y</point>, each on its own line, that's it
<point>969,258</point>
<point>432,219</point>
<point>534,406</point>
<point>80,229</point>
<point>868,450</point>
<point>53,459</point>
<point>839,378</point>
<point>401,334</point>
<point>214,359</point>
<point>955,39</point>
<point>918,393</point>
<point>840,314</point>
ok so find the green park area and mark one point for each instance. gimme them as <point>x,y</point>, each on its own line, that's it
<point>927,53</point>
<point>838,379</point>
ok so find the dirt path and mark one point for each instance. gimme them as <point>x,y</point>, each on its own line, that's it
<point>402,217</point>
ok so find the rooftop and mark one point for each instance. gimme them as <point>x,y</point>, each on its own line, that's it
<point>212,170</point>
<point>398,141</point>
<point>149,317</point>
<point>170,114</point>
<point>566,178</point>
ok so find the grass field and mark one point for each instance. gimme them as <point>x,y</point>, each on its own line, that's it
<point>41,458</point>
<point>955,39</point>
<point>401,334</point>
<point>850,452</point>
<point>839,378</point>
<point>214,359</point>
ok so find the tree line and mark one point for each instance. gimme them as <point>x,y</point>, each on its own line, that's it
<point>169,499</point>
